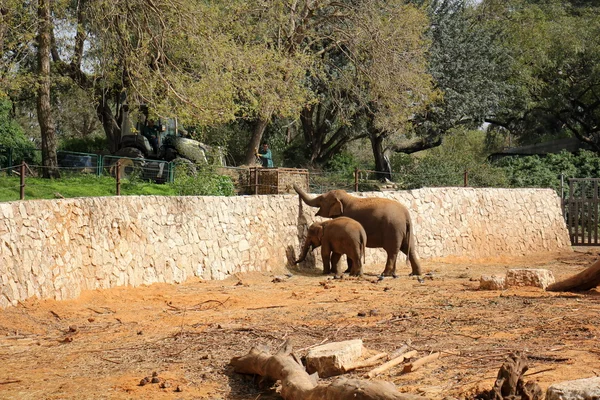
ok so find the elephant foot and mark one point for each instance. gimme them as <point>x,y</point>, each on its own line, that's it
<point>380,277</point>
<point>326,272</point>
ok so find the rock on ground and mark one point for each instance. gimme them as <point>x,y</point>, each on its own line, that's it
<point>581,389</point>
<point>492,282</point>
<point>529,277</point>
<point>331,359</point>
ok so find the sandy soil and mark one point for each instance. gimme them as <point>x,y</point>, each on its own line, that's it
<point>102,344</point>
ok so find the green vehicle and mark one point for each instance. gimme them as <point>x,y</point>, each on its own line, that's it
<point>154,147</point>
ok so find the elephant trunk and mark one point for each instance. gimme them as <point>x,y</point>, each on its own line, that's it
<point>305,248</point>
<point>313,202</point>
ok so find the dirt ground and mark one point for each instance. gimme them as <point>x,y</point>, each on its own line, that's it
<point>102,344</point>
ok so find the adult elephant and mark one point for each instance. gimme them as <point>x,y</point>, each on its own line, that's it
<point>386,222</point>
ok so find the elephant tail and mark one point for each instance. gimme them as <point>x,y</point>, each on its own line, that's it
<point>411,251</point>
<point>363,245</point>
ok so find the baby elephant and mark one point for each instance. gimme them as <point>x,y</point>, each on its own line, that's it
<point>337,236</point>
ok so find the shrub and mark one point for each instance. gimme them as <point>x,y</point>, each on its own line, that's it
<point>206,182</point>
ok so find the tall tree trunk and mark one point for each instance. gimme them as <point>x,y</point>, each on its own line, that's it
<point>3,26</point>
<point>44,110</point>
<point>382,164</point>
<point>257,133</point>
<point>109,122</point>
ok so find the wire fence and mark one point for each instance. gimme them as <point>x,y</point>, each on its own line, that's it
<point>246,180</point>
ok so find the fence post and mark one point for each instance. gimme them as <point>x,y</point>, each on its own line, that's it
<point>99,165</point>
<point>255,180</point>
<point>119,177</point>
<point>22,189</point>
<point>356,179</point>
<point>466,177</point>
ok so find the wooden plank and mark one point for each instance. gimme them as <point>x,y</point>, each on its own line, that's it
<point>596,213</point>
<point>571,209</point>
<point>577,221</point>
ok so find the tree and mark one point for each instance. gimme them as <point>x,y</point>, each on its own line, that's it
<point>368,70</point>
<point>555,48</point>
<point>44,111</point>
<point>467,63</point>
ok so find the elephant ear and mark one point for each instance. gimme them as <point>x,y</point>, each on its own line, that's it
<point>319,232</point>
<point>336,209</point>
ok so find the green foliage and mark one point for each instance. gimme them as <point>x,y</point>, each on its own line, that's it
<point>555,51</point>
<point>536,171</point>
<point>446,165</point>
<point>342,163</point>
<point>205,182</point>
<point>90,144</point>
<point>12,138</point>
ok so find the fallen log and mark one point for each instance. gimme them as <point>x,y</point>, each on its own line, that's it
<point>297,384</point>
<point>587,279</point>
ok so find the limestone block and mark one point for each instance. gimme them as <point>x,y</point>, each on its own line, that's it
<point>580,389</point>
<point>331,358</point>
<point>529,277</point>
<point>492,282</point>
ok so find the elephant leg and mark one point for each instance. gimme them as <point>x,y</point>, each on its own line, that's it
<point>335,264</point>
<point>415,264</point>
<point>349,262</point>
<point>326,254</point>
<point>390,264</point>
<point>357,269</point>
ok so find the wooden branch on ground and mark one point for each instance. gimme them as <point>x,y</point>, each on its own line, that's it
<point>390,364</point>
<point>297,384</point>
<point>420,362</point>
<point>369,362</point>
<point>585,280</point>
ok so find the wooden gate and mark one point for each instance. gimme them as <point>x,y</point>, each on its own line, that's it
<point>581,211</point>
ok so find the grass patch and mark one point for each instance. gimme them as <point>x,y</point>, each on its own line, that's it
<point>80,186</point>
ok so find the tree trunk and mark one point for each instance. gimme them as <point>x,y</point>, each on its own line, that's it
<point>382,164</point>
<point>109,123</point>
<point>257,133</point>
<point>44,111</point>
<point>3,26</point>
<point>585,280</point>
<point>297,384</point>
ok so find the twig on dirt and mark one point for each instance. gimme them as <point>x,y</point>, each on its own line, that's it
<point>539,372</point>
<point>335,301</point>
<point>109,311</point>
<point>55,315</point>
<point>109,360</point>
<point>9,382</point>
<point>198,307</point>
<point>313,345</point>
<point>547,358</point>
<point>264,308</point>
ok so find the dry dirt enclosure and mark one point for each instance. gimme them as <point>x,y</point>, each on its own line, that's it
<point>102,344</point>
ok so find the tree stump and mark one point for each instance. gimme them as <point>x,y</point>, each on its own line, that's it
<point>585,280</point>
<point>297,384</point>
<point>510,385</point>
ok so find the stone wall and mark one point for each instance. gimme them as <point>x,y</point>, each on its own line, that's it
<point>57,248</point>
